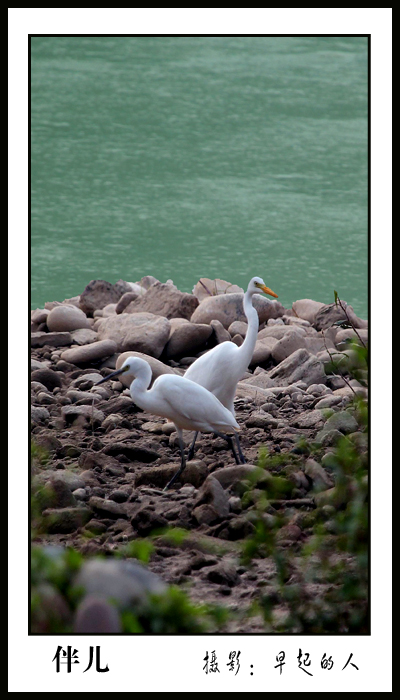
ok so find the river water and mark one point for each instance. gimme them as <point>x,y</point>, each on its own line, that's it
<point>188,157</point>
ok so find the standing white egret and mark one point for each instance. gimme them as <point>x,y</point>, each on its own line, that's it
<point>189,405</point>
<point>220,369</point>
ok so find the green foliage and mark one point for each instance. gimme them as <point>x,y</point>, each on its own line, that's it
<point>335,558</point>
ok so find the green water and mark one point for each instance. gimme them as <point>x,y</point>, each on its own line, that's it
<point>200,157</point>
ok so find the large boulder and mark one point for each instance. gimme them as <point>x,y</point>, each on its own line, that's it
<point>187,338</point>
<point>164,300</point>
<point>98,293</point>
<point>67,318</point>
<point>142,332</point>
<point>228,308</point>
<point>331,313</point>
<point>84,354</point>
<point>307,309</point>
<point>299,366</point>
<point>206,288</point>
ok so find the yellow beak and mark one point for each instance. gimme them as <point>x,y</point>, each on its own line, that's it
<point>269,291</point>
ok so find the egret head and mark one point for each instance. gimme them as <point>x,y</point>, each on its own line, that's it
<point>256,285</point>
<point>131,368</point>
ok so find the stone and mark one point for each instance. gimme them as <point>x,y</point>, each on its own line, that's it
<point>206,287</point>
<point>164,300</point>
<point>318,475</point>
<point>220,332</point>
<point>213,494</point>
<point>331,313</point>
<point>186,338</point>
<point>89,353</point>
<point>307,309</point>
<point>141,332</point>
<point>287,345</point>
<point>279,332</point>
<point>228,308</point>
<point>39,315</point>
<point>231,475</point>
<point>67,318</point>
<point>95,615</point>
<point>83,336</point>
<point>349,335</point>
<point>55,340</point>
<point>342,421</point>
<point>328,401</point>
<point>300,365</point>
<point>261,420</point>
<point>39,415</point>
<point>263,350</point>
<point>98,293</point>
<point>224,573</point>
<point>124,301</point>
<point>308,419</point>
<point>238,327</point>
<point>107,508</point>
<point>66,520</point>
<point>48,377</point>
<point>255,393</point>
<point>89,414</point>
<point>125,581</point>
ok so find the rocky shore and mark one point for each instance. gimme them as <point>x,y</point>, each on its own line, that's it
<point>99,463</point>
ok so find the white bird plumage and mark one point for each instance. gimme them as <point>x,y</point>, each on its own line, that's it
<point>187,404</point>
<point>220,369</point>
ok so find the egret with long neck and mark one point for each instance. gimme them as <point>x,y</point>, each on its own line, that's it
<point>220,369</point>
<point>187,404</point>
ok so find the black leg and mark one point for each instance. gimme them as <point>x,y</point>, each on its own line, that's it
<point>229,440</point>
<point>181,468</point>
<point>239,449</point>
<point>191,448</point>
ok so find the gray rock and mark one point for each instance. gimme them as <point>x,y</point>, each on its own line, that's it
<point>343,421</point>
<point>98,293</point>
<point>212,493</point>
<point>186,338</point>
<point>124,301</point>
<point>228,308</point>
<point>307,309</point>
<point>263,350</point>
<point>320,478</point>
<point>89,353</point>
<point>107,508</point>
<point>95,615</point>
<point>231,475</point>
<point>48,377</point>
<point>164,300</point>
<point>55,340</point>
<point>88,414</point>
<point>126,582</point>
<point>39,415</point>
<point>308,419</point>
<point>330,313</point>
<point>220,332</point>
<point>238,327</point>
<point>84,336</point>
<point>328,402</point>
<point>66,318</point>
<point>141,332</point>
<point>299,366</point>
<point>287,345</point>
<point>224,573</point>
<point>347,335</point>
<point>261,420</point>
<point>66,520</point>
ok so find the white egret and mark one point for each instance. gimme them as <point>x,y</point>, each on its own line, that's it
<point>187,404</point>
<point>220,369</point>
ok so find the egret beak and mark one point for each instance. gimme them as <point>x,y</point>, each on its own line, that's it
<point>269,291</point>
<point>113,374</point>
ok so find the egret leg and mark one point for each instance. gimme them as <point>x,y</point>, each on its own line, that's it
<point>239,449</point>
<point>229,440</point>
<point>191,448</point>
<point>183,461</point>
